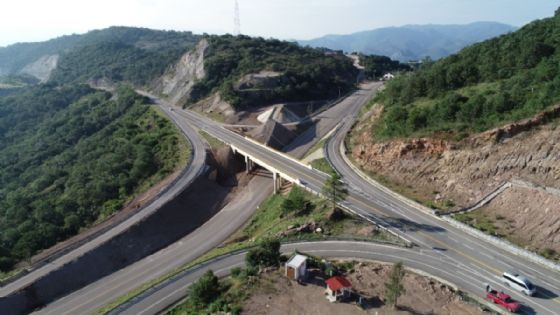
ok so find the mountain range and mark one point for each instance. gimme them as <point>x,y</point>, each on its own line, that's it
<point>413,42</point>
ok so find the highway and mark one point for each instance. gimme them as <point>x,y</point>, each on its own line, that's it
<point>479,261</point>
<point>194,169</point>
<point>206,237</point>
<point>429,231</point>
<point>474,261</point>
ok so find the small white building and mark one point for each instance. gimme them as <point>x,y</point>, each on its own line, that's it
<point>296,267</point>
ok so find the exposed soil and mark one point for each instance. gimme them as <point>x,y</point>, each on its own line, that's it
<point>459,174</point>
<point>463,172</point>
<point>278,295</point>
<point>514,215</point>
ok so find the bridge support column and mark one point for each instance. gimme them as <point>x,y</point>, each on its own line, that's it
<point>275,178</point>
<point>248,164</point>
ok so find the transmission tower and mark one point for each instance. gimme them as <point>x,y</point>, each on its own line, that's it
<point>236,20</point>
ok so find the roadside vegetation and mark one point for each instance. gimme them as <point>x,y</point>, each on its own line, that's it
<point>377,66</point>
<point>71,156</point>
<point>508,78</point>
<point>322,165</point>
<point>306,73</point>
<point>209,295</point>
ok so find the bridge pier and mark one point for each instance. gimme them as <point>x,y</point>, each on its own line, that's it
<point>248,164</point>
<point>277,182</point>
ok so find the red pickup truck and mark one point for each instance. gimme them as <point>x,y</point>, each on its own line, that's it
<point>503,300</point>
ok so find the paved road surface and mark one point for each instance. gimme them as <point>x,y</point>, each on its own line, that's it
<point>426,231</point>
<point>195,167</point>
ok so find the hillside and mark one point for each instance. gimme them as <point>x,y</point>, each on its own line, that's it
<point>136,55</point>
<point>70,156</point>
<point>491,83</point>
<point>248,72</point>
<point>412,42</point>
<point>456,130</point>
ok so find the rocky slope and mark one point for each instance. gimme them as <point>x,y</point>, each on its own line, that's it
<point>465,171</point>
<point>42,67</point>
<point>177,82</point>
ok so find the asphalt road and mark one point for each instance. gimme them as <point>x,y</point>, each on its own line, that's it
<point>453,244</point>
<point>208,236</point>
<point>457,247</point>
<point>175,289</point>
<point>195,167</point>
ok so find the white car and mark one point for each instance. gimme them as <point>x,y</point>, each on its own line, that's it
<point>519,283</point>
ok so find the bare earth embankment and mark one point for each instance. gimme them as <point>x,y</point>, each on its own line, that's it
<point>281,296</point>
<point>455,174</point>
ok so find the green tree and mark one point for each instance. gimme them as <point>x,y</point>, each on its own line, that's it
<point>334,189</point>
<point>205,290</point>
<point>394,287</point>
<point>267,254</point>
<point>295,201</point>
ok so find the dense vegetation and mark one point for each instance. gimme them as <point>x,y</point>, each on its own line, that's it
<point>376,66</point>
<point>135,55</point>
<point>307,74</point>
<point>507,78</point>
<point>70,156</point>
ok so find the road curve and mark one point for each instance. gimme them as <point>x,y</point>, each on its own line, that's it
<point>206,237</point>
<point>194,168</point>
<point>157,300</point>
<point>430,232</point>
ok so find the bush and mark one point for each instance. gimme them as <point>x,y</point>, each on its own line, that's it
<point>266,254</point>
<point>205,290</point>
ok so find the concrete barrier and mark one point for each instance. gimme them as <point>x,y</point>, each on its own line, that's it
<point>501,243</point>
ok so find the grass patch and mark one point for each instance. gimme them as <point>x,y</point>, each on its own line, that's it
<point>322,165</point>
<point>479,220</point>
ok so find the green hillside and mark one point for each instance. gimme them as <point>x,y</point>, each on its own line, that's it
<point>500,80</point>
<point>307,74</point>
<point>70,156</point>
<point>136,55</point>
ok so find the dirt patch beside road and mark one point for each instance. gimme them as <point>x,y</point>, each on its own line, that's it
<point>279,295</point>
<point>514,215</point>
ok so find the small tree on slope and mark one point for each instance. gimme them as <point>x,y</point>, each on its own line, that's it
<point>334,189</point>
<point>394,287</point>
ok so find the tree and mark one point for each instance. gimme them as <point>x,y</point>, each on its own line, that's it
<point>205,290</point>
<point>295,201</point>
<point>334,189</point>
<point>267,254</point>
<point>394,287</point>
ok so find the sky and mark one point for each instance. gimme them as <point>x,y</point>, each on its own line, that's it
<point>38,20</point>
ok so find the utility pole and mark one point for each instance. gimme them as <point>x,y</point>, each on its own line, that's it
<point>236,20</point>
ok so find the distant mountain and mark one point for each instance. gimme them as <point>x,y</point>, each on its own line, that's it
<point>413,42</point>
